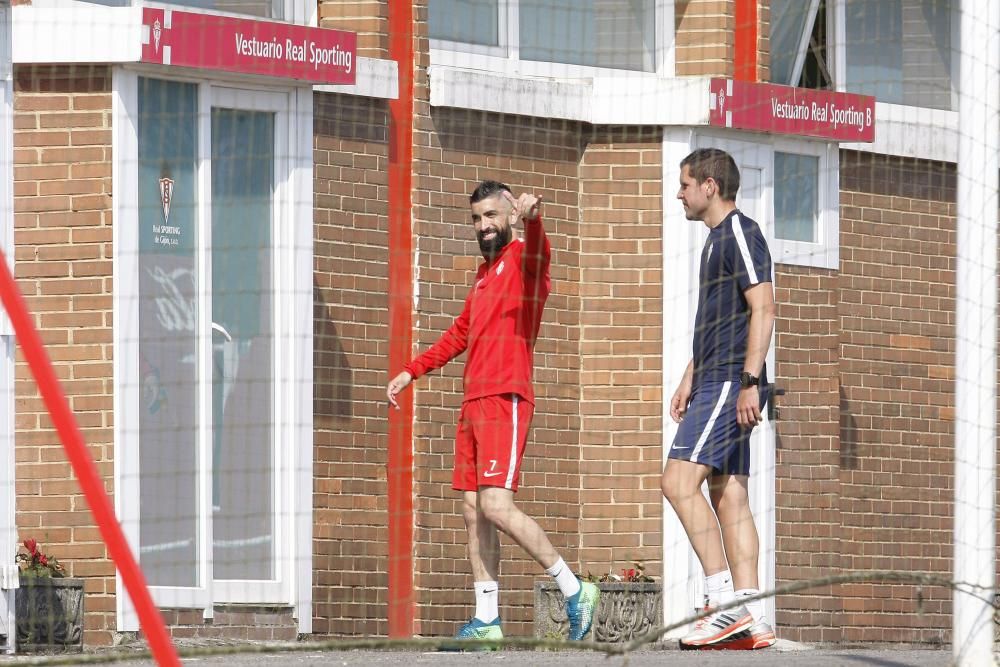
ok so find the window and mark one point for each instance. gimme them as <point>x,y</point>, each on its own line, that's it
<point>168,341</point>
<point>616,34</point>
<point>805,197</point>
<point>798,43</point>
<point>796,197</point>
<point>900,51</point>
<point>465,21</point>
<point>213,319</point>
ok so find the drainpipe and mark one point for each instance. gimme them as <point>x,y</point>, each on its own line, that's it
<point>745,41</point>
<point>399,476</point>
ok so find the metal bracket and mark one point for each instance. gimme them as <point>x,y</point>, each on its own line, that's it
<point>773,412</point>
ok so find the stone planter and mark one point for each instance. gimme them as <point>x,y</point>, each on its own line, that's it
<point>49,615</point>
<point>625,612</point>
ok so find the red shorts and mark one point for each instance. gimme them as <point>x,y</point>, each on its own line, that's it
<point>489,444</point>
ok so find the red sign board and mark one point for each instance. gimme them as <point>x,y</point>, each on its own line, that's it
<point>270,48</point>
<point>766,107</point>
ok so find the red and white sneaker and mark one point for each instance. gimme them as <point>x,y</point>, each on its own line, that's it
<point>759,635</point>
<point>716,627</point>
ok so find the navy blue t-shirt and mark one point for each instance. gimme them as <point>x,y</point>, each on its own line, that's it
<point>735,258</point>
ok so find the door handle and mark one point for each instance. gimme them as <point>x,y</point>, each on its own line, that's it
<point>222,330</point>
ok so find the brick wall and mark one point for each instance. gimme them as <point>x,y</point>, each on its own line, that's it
<point>351,297</point>
<point>621,349</point>
<point>807,483</point>
<point>455,150</point>
<point>367,18</point>
<point>589,478</point>
<point>704,37</point>
<point>763,40</point>
<point>865,432</point>
<point>62,220</point>
<point>897,319</point>
<point>246,622</point>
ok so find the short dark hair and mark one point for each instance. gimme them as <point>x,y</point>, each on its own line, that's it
<point>487,189</point>
<point>718,165</point>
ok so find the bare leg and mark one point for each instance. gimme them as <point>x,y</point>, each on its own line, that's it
<point>681,484</point>
<point>739,534</point>
<point>484,543</point>
<point>497,506</point>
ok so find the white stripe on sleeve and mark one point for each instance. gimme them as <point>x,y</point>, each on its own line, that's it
<point>741,241</point>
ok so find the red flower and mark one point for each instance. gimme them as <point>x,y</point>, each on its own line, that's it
<point>31,545</point>
<point>42,559</point>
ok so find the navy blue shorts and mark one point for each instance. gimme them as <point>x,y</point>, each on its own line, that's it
<point>709,434</point>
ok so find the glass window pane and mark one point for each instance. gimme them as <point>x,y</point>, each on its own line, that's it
<point>168,285</point>
<point>900,51</point>
<point>242,382</point>
<point>468,21</point>
<point>796,197</point>
<point>788,21</point>
<point>600,33</point>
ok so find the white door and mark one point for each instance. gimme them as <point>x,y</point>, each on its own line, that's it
<point>754,198</point>
<point>212,338</point>
<point>683,576</point>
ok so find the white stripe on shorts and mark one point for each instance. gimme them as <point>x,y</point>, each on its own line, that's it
<point>711,421</point>
<point>513,447</point>
<point>741,241</point>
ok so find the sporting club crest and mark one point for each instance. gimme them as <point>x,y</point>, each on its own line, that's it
<point>157,31</point>
<point>166,194</point>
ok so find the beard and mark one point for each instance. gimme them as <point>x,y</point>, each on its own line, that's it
<point>492,247</point>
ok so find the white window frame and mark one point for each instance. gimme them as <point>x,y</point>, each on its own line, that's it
<point>292,325</point>
<point>300,12</point>
<point>837,19</point>
<point>505,58</point>
<point>8,525</point>
<point>825,252</point>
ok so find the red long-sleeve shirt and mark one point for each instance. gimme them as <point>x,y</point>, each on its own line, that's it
<point>500,320</point>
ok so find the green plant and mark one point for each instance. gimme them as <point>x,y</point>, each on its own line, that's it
<point>635,574</point>
<point>34,563</point>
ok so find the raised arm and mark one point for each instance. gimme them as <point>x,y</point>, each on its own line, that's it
<point>537,252</point>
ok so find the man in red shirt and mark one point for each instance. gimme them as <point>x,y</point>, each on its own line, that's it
<point>498,327</point>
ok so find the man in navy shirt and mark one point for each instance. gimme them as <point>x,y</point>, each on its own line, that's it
<point>719,401</point>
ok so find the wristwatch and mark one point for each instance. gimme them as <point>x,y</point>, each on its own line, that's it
<point>747,380</point>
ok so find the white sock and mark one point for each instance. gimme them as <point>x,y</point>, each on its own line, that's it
<point>720,588</point>
<point>487,600</point>
<point>565,579</point>
<point>756,607</point>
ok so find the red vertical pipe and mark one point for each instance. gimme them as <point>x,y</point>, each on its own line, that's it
<point>402,605</point>
<point>745,41</point>
<point>86,472</point>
